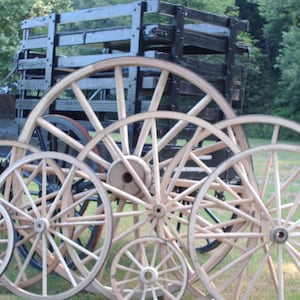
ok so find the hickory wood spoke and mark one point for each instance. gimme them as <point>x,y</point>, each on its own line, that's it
<point>230,244</point>
<point>184,158</point>
<point>294,254</point>
<point>108,141</point>
<point>66,185</point>
<point>55,131</point>
<point>154,103</point>
<point>227,206</point>
<point>124,195</point>
<point>61,260</point>
<point>27,192</point>
<point>74,244</point>
<point>195,155</point>
<point>294,175</point>
<point>44,265</point>
<point>179,126</point>
<point>277,187</point>
<point>121,106</point>
<point>23,187</point>
<point>253,191</point>
<point>77,200</point>
<point>133,228</point>
<point>44,191</point>
<point>25,264</point>
<point>156,171</point>
<point>237,262</point>
<point>255,277</point>
<point>275,134</point>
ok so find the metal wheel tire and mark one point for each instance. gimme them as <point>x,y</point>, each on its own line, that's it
<point>145,202</point>
<point>267,249</point>
<point>7,239</point>
<point>151,266</point>
<point>51,227</point>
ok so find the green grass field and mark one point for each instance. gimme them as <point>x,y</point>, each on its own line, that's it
<point>263,292</point>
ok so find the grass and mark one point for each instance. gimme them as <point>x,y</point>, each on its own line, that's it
<point>263,292</point>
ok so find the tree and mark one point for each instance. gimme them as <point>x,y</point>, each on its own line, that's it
<point>287,102</point>
<point>281,32</point>
<point>12,12</point>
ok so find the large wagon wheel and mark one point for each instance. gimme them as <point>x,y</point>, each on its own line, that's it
<point>144,203</point>
<point>148,264</point>
<point>7,238</point>
<point>51,227</point>
<point>267,249</point>
<point>205,99</point>
<point>193,91</point>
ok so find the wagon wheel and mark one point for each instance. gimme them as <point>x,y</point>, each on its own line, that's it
<point>203,99</point>
<point>143,199</point>
<point>48,142</point>
<point>274,130</point>
<point>51,218</point>
<point>148,265</point>
<point>267,249</point>
<point>7,239</point>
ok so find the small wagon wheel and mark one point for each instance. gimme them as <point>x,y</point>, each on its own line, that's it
<point>149,264</point>
<point>267,249</point>
<point>144,201</point>
<point>49,142</point>
<point>51,227</point>
<point>7,239</point>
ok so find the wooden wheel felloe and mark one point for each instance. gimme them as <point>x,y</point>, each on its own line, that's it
<point>267,247</point>
<point>7,238</point>
<point>151,266</point>
<point>50,227</point>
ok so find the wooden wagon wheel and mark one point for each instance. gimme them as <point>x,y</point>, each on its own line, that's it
<point>206,99</point>
<point>7,238</point>
<point>274,130</point>
<point>149,264</point>
<point>267,249</point>
<point>143,202</point>
<point>51,227</point>
<point>45,141</point>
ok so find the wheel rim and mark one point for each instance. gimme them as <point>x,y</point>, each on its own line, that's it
<point>151,265</point>
<point>50,227</point>
<point>271,231</point>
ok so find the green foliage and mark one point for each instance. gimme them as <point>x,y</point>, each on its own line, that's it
<point>287,102</point>
<point>12,12</point>
<point>272,84</point>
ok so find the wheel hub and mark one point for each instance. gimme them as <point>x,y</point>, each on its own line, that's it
<point>40,225</point>
<point>149,275</point>
<point>158,211</point>
<point>120,176</point>
<point>279,234</point>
